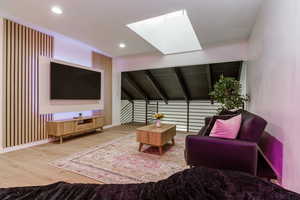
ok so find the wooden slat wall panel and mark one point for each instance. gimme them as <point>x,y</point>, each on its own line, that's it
<point>104,63</point>
<point>12,83</point>
<point>29,94</point>
<point>23,84</point>
<point>23,46</point>
<point>26,119</point>
<point>7,61</point>
<point>18,80</point>
<point>5,64</point>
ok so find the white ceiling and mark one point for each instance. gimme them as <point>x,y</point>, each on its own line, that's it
<point>102,24</point>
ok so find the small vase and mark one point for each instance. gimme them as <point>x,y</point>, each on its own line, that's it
<point>158,124</point>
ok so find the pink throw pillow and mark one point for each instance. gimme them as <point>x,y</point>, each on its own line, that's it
<point>227,128</point>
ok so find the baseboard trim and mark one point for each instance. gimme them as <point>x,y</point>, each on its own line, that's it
<point>24,146</point>
<point>111,126</point>
<point>32,144</point>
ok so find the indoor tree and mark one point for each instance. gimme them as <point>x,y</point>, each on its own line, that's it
<point>227,92</point>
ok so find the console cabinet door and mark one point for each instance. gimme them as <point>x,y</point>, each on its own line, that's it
<point>69,127</point>
<point>99,122</point>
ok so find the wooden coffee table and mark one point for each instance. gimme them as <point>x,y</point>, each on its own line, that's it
<point>156,136</point>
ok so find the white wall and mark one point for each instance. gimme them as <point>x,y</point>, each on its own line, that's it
<point>116,95</point>
<point>216,54</point>
<point>273,79</point>
<point>222,53</point>
<point>243,79</point>
<point>72,51</point>
<point>2,87</point>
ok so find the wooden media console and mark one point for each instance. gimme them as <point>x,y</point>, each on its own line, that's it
<point>66,127</point>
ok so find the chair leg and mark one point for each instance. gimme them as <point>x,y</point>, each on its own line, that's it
<point>160,150</point>
<point>141,146</point>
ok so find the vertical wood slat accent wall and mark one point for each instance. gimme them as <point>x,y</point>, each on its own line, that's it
<point>22,47</point>
<point>103,62</point>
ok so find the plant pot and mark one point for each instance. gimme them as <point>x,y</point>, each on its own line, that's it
<point>158,124</point>
<point>231,112</point>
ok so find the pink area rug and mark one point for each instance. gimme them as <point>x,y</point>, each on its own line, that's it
<point>119,161</point>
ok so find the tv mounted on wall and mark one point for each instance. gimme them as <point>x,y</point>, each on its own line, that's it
<point>69,82</point>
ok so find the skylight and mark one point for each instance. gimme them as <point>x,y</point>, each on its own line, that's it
<point>170,33</point>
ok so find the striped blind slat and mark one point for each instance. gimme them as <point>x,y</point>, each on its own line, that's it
<point>176,113</point>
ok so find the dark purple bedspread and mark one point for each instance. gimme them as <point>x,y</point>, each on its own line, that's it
<point>191,184</point>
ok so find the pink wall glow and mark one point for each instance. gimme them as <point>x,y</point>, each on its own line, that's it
<point>273,80</point>
<point>273,150</point>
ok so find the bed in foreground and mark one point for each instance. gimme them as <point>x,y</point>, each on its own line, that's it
<point>196,183</point>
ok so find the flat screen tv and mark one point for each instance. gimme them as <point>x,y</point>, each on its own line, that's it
<point>69,82</point>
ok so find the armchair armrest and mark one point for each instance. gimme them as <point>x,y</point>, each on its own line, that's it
<point>207,120</point>
<point>221,153</point>
<point>202,131</point>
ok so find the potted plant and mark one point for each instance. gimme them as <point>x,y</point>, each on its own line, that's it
<point>158,117</point>
<point>227,92</point>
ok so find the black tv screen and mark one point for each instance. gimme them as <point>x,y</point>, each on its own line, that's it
<point>74,83</point>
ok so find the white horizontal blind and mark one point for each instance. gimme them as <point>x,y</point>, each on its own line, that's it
<point>175,113</point>
<point>152,108</point>
<point>139,111</point>
<point>198,111</point>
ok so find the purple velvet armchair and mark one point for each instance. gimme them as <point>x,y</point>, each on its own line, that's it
<point>240,154</point>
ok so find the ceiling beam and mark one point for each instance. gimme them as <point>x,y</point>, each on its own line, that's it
<point>182,83</point>
<point>209,79</point>
<point>135,85</point>
<point>127,95</point>
<point>156,86</point>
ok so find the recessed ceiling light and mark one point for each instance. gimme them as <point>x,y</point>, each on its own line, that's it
<point>122,45</point>
<point>57,10</point>
<point>169,33</point>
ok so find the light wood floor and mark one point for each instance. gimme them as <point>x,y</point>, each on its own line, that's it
<point>30,166</point>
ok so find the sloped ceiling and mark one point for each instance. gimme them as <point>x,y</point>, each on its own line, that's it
<point>176,83</point>
<point>102,24</point>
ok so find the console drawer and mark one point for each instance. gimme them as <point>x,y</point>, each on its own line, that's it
<point>84,126</point>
